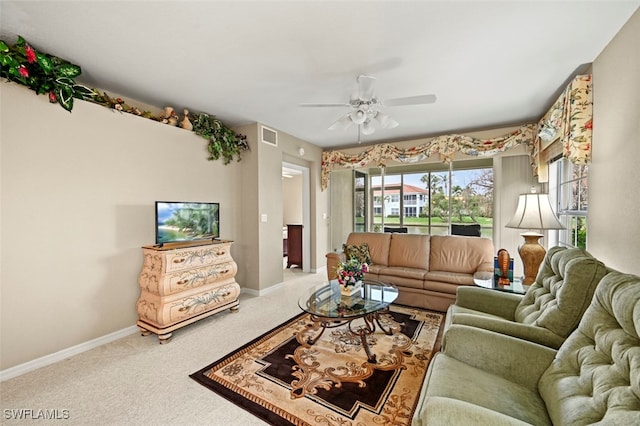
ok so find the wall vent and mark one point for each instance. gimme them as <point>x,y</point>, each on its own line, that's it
<point>269,136</point>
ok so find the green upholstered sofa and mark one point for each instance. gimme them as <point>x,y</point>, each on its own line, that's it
<point>547,313</point>
<point>486,378</point>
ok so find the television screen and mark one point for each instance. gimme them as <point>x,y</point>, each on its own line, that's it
<point>183,221</point>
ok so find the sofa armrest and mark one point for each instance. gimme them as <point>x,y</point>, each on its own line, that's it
<point>333,259</point>
<point>532,333</point>
<point>498,354</point>
<point>486,267</point>
<point>492,302</point>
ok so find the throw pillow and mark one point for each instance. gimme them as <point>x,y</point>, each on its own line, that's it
<point>358,252</point>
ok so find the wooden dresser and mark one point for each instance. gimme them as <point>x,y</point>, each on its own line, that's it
<point>294,245</point>
<point>179,286</point>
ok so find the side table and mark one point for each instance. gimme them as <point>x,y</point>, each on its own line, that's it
<point>486,280</point>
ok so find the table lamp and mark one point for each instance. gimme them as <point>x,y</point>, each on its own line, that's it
<point>533,213</point>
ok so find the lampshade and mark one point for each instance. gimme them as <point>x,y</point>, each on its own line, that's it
<point>534,212</point>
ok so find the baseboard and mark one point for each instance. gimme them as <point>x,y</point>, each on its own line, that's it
<point>257,293</point>
<point>27,367</point>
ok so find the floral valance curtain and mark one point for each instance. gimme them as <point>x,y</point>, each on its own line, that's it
<point>446,146</point>
<point>569,122</point>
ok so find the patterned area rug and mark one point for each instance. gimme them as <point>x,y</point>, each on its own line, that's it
<point>282,379</point>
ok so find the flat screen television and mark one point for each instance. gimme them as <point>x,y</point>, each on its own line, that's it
<point>186,221</point>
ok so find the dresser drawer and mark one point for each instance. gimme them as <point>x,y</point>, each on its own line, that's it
<point>178,281</point>
<point>163,313</point>
<point>196,257</point>
<point>161,262</point>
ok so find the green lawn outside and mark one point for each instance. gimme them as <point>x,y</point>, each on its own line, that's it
<point>420,225</point>
<point>424,221</point>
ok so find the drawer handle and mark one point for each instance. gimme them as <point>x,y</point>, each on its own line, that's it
<point>178,260</point>
<point>182,282</point>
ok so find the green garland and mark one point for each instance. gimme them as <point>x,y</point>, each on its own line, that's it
<point>48,74</point>
<point>42,73</point>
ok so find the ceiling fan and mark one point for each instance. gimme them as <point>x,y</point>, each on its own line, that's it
<point>367,108</point>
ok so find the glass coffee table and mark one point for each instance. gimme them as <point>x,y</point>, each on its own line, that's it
<point>329,309</point>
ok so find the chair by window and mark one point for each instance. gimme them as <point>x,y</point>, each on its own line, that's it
<point>472,230</point>
<point>402,230</point>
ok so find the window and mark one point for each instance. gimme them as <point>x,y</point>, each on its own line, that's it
<point>410,212</point>
<point>568,185</point>
<point>361,186</point>
<point>410,199</point>
<point>428,198</point>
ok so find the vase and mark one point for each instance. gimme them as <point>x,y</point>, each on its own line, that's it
<point>352,289</point>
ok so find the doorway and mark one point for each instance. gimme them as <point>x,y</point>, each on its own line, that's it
<point>296,210</point>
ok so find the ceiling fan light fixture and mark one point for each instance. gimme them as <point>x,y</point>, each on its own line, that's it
<point>367,128</point>
<point>386,121</point>
<point>358,116</point>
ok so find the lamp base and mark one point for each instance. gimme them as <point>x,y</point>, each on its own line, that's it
<point>532,254</point>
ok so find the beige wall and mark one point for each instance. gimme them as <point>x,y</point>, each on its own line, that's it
<point>77,197</point>
<point>262,195</point>
<point>319,200</point>
<point>614,176</point>
<point>78,194</point>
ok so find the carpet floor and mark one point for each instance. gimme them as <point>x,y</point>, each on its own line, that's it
<point>282,379</point>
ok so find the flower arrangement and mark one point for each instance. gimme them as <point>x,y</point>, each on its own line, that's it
<point>351,271</point>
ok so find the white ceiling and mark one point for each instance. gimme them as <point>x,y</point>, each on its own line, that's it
<point>489,63</point>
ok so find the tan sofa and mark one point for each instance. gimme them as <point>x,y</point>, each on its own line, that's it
<point>426,269</point>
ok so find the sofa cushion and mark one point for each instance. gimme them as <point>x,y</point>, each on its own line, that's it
<point>398,271</point>
<point>409,251</point>
<point>360,252</point>
<point>449,411</point>
<point>454,379</point>
<point>459,254</point>
<point>595,377</point>
<point>562,291</point>
<point>450,277</point>
<point>378,245</point>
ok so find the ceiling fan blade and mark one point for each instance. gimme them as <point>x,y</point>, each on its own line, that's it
<point>366,87</point>
<point>326,105</point>
<point>342,123</point>
<point>411,100</point>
